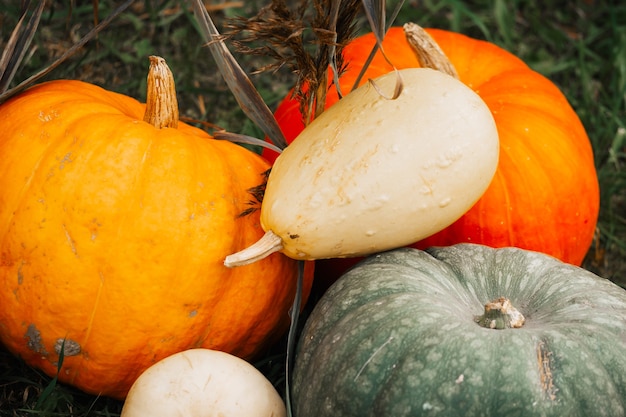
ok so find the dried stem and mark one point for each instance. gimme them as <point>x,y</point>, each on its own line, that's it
<point>161,103</point>
<point>501,314</point>
<point>427,51</point>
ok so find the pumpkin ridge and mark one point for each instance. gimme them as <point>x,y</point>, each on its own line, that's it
<point>45,155</point>
<point>133,194</point>
<point>84,343</point>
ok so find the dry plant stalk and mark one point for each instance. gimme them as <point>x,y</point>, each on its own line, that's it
<point>306,38</point>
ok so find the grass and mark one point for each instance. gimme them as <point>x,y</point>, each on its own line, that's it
<point>580,45</point>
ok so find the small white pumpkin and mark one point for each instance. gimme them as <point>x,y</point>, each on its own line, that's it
<point>203,383</point>
<point>372,174</point>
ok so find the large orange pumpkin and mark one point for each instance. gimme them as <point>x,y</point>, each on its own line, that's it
<point>545,194</point>
<point>113,234</point>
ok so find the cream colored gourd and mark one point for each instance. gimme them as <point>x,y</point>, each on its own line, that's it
<point>203,383</point>
<point>371,174</point>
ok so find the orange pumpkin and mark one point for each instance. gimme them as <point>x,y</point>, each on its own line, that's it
<point>545,194</point>
<point>113,234</point>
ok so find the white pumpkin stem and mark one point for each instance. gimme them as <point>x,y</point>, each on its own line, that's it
<point>161,103</point>
<point>268,244</point>
<point>427,51</point>
<point>500,314</point>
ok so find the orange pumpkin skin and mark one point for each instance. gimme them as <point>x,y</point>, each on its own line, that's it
<point>545,193</point>
<point>113,235</point>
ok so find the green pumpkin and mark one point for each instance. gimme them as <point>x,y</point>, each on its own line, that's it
<point>413,333</point>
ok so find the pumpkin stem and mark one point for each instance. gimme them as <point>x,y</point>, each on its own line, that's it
<point>500,314</point>
<point>427,51</point>
<point>268,244</point>
<point>161,103</point>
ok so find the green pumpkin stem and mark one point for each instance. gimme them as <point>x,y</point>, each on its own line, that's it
<point>500,314</point>
<point>161,103</point>
<point>427,51</point>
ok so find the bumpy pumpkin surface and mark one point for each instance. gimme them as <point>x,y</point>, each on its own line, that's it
<point>545,193</point>
<point>112,237</point>
<point>398,335</point>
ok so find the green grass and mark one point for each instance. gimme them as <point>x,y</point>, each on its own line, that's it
<point>580,45</point>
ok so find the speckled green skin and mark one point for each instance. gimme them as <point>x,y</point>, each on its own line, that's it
<point>396,337</point>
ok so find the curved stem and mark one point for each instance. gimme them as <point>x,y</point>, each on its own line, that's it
<point>161,103</point>
<point>268,244</point>
<point>427,51</point>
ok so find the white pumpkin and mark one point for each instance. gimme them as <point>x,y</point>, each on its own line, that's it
<point>371,174</point>
<point>203,383</point>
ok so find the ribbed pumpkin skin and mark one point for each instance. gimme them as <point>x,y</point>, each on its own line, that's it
<point>396,336</point>
<point>113,235</point>
<point>545,193</point>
